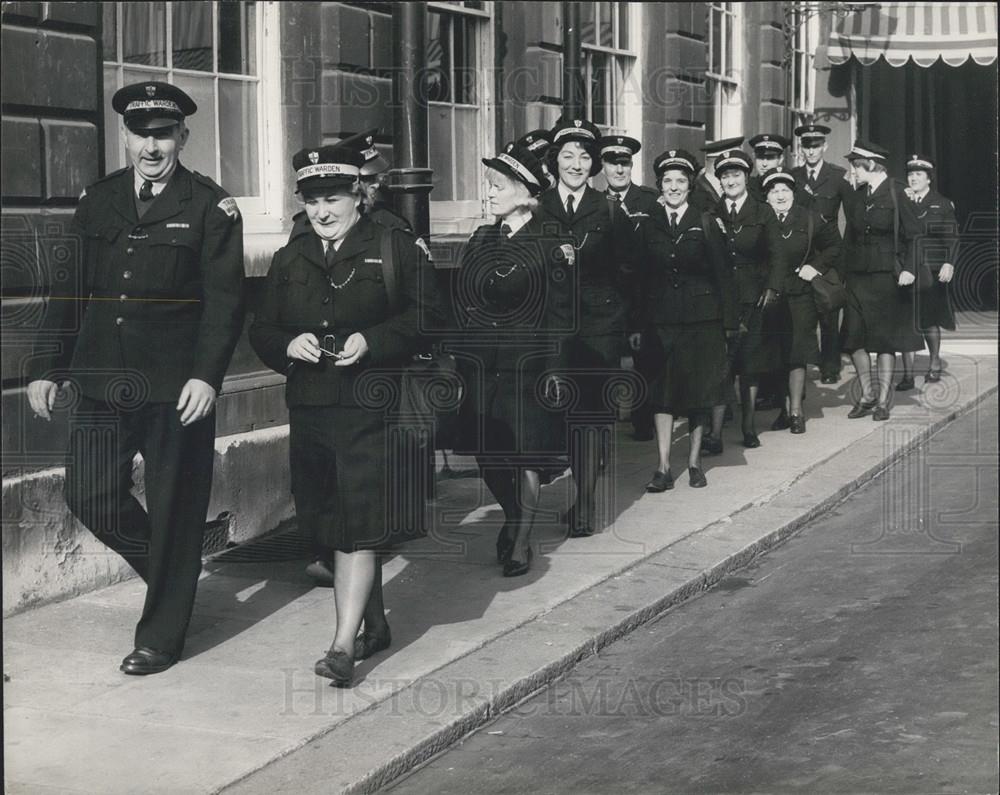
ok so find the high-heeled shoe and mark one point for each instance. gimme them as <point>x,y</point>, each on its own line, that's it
<point>505,544</point>
<point>368,644</point>
<point>338,666</point>
<point>515,568</point>
<point>862,408</point>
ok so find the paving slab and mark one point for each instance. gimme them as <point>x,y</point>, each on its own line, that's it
<point>243,712</point>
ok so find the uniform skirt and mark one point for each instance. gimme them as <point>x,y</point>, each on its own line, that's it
<point>933,307</point>
<point>759,349</point>
<point>798,340</point>
<point>691,372</point>
<point>879,316</point>
<point>358,479</point>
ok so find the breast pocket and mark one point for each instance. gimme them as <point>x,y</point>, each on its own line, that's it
<point>369,285</point>
<point>100,256</point>
<point>173,260</point>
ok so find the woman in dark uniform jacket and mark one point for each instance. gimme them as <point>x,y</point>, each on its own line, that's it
<point>934,251</point>
<point>325,321</point>
<point>604,238</point>
<point>513,305</point>
<point>879,275</point>
<point>683,287</point>
<point>810,246</point>
<point>750,238</point>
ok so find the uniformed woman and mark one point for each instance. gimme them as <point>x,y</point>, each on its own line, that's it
<point>751,237</point>
<point>934,252</point>
<point>513,303</point>
<point>810,247</point>
<point>682,308</point>
<point>879,275</point>
<point>604,238</point>
<point>326,321</point>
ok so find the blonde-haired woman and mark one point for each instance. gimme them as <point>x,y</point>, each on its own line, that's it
<point>513,298</point>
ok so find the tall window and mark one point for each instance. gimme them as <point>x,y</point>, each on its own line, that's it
<point>803,39</point>
<point>725,60</point>
<point>457,66</point>
<point>213,51</point>
<point>608,59</point>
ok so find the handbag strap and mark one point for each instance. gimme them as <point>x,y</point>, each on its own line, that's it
<point>810,224</point>
<point>389,274</point>
<point>895,217</point>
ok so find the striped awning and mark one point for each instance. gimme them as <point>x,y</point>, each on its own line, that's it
<point>923,32</point>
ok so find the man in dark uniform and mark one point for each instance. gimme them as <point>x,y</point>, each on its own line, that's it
<point>146,333</point>
<point>638,201</point>
<point>768,154</point>
<point>825,189</point>
<point>707,189</point>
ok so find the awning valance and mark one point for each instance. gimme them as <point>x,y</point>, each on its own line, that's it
<point>923,32</point>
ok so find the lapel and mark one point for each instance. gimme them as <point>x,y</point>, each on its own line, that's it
<point>311,247</point>
<point>552,202</point>
<point>172,200</point>
<point>592,201</point>
<point>356,241</point>
<point>122,195</point>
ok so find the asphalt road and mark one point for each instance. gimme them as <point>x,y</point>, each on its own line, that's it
<point>859,657</point>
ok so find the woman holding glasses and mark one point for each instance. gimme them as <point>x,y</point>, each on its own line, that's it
<point>325,320</point>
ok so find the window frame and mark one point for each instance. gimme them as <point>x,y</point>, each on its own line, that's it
<point>803,42</point>
<point>727,116</point>
<point>623,65</point>
<point>261,213</point>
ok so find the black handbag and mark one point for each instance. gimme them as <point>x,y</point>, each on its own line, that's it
<point>829,292</point>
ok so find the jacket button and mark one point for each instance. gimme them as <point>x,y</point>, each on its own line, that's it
<point>325,323</point>
<point>119,321</point>
<point>123,297</point>
<point>130,250</point>
<point>326,300</point>
<point>127,275</point>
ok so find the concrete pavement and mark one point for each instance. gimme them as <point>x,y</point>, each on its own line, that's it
<point>467,643</point>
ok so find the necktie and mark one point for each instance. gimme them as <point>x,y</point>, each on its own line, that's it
<point>919,199</point>
<point>146,191</point>
<point>673,222</point>
<point>732,211</point>
<point>330,253</point>
<point>781,218</point>
<point>505,230</point>
<point>616,196</point>
<point>871,190</point>
<point>812,176</point>
<point>569,206</point>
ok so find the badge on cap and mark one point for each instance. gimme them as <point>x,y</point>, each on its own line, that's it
<point>314,157</point>
<point>577,123</point>
<point>619,139</point>
<point>672,153</point>
<point>150,91</point>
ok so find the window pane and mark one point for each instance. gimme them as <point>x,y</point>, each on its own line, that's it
<point>606,23</point>
<point>192,36</point>
<point>199,153</point>
<point>110,29</point>
<point>587,32</point>
<point>468,169</point>
<point>727,44</point>
<point>624,41</point>
<point>238,112</point>
<point>716,65</point>
<point>144,33</point>
<point>465,62</point>
<point>599,77</point>
<point>114,157</point>
<point>439,131</point>
<point>237,38</point>
<point>438,65</point>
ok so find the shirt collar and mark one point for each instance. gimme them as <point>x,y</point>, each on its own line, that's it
<point>157,186</point>
<point>670,210</point>
<point>877,181</point>
<point>621,193</point>
<point>565,192</point>
<point>739,202</point>
<point>516,220</point>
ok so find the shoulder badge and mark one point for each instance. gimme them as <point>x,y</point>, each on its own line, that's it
<point>722,226</point>
<point>230,207</point>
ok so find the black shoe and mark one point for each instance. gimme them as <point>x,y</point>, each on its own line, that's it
<point>368,644</point>
<point>781,422</point>
<point>696,478</point>
<point>321,573</point>
<point>336,666</point>
<point>905,385</point>
<point>881,414</point>
<point>797,423</point>
<point>932,376</point>
<point>515,568</point>
<point>643,434</point>
<point>861,409</point>
<point>711,445</point>
<point>829,378</point>
<point>144,661</point>
<point>750,440</point>
<point>661,481</point>
<point>505,543</point>
<point>576,529</point>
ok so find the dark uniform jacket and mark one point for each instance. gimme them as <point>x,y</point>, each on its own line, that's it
<point>299,297</point>
<point>870,243</point>
<point>828,195</point>
<point>639,200</point>
<point>685,280</point>
<point>604,237</point>
<point>752,247</point>
<point>936,241</point>
<point>703,195</point>
<point>514,305</point>
<point>160,298</point>
<point>822,251</point>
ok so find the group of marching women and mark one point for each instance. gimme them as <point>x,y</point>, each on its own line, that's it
<point>707,277</point>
